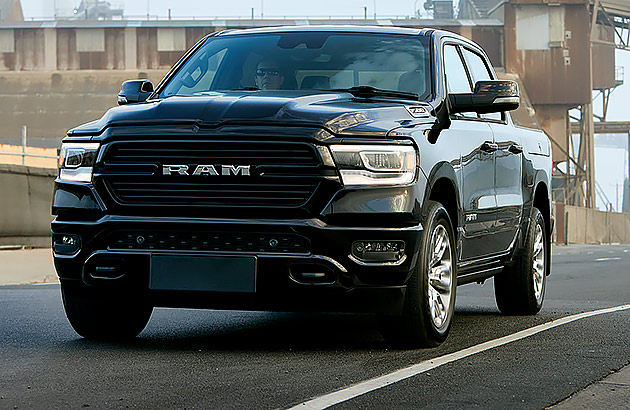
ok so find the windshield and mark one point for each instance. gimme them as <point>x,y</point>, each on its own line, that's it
<point>305,61</point>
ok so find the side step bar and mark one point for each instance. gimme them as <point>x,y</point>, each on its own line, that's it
<point>478,276</point>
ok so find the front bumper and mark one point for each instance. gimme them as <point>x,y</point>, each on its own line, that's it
<point>109,255</point>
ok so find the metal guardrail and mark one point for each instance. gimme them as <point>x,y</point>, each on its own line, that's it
<point>25,154</point>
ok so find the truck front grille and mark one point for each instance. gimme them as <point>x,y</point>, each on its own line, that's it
<point>281,174</point>
<point>208,193</point>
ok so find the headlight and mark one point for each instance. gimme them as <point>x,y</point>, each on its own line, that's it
<point>375,164</point>
<point>76,161</point>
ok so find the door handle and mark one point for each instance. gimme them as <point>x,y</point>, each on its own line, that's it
<point>489,147</point>
<point>515,149</point>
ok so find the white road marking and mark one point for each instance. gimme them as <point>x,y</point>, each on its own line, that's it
<point>376,383</point>
<point>607,259</point>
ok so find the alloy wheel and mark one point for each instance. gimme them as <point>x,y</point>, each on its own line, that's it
<point>440,275</point>
<point>539,262</point>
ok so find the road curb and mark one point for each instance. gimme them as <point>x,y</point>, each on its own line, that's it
<point>611,392</point>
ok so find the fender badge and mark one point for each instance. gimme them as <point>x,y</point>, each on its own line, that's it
<point>417,111</point>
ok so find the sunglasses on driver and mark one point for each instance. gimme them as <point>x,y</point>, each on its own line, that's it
<point>269,71</point>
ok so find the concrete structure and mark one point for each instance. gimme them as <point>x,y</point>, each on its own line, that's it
<point>25,199</point>
<point>26,266</point>
<point>575,225</point>
<point>141,45</point>
<point>51,102</point>
<point>481,9</point>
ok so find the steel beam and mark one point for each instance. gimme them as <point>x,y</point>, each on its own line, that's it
<point>613,127</point>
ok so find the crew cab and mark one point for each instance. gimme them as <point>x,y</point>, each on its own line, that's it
<point>329,168</point>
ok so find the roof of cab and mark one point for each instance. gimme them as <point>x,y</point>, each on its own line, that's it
<point>337,28</point>
<point>348,29</point>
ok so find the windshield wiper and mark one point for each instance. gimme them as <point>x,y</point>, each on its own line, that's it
<point>245,89</point>
<point>366,91</point>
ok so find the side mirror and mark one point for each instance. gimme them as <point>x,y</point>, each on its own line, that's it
<point>134,91</point>
<point>489,96</point>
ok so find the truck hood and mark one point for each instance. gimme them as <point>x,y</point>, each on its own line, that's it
<point>338,112</point>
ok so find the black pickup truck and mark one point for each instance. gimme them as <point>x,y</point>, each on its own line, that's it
<point>354,169</point>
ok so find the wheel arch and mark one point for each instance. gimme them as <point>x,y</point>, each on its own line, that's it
<point>443,191</point>
<point>442,187</point>
<point>543,204</point>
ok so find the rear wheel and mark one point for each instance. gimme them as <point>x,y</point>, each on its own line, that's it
<point>430,297</point>
<point>104,314</point>
<point>520,288</point>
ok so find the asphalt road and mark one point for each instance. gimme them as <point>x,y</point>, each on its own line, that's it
<point>222,360</point>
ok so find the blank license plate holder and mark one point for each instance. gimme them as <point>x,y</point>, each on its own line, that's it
<point>203,273</point>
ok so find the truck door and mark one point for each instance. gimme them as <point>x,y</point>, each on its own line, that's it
<point>474,140</point>
<point>508,177</point>
<point>507,161</point>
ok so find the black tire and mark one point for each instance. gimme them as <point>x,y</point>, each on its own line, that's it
<point>419,324</point>
<point>104,314</point>
<point>520,288</point>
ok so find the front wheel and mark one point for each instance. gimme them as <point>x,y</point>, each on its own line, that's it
<point>430,297</point>
<point>104,314</point>
<point>520,288</point>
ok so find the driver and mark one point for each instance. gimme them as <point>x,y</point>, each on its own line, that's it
<point>268,76</point>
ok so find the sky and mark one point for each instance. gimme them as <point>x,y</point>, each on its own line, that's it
<point>619,109</point>
<point>611,167</point>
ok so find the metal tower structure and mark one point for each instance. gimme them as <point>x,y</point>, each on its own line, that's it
<point>609,30</point>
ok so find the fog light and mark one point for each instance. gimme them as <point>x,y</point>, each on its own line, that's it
<point>69,240</point>
<point>378,251</point>
<point>66,244</point>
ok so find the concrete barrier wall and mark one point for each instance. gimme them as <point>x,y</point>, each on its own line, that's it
<point>50,103</point>
<point>25,200</point>
<point>620,228</point>
<point>584,225</point>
